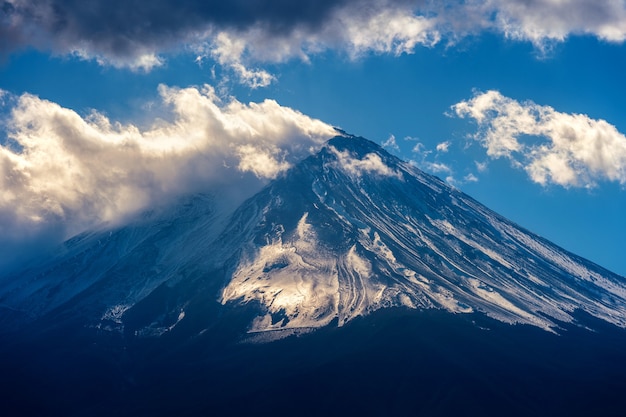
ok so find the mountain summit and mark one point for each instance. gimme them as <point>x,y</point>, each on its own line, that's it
<point>347,231</point>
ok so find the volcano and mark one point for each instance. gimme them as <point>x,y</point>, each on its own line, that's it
<point>351,247</point>
<point>353,229</point>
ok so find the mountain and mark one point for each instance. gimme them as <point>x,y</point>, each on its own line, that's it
<point>353,229</point>
<point>346,232</point>
<point>351,248</point>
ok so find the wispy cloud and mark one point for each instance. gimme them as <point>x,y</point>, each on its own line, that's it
<point>241,34</point>
<point>436,167</point>
<point>542,21</point>
<point>443,146</point>
<point>391,143</point>
<point>571,150</point>
<point>370,164</point>
<point>432,162</point>
<point>470,178</point>
<point>61,172</point>
<point>229,51</point>
<point>481,166</point>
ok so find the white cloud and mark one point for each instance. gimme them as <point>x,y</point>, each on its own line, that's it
<point>371,164</point>
<point>470,178</point>
<point>553,147</point>
<point>436,167</point>
<point>390,30</point>
<point>380,28</point>
<point>481,166</point>
<point>353,31</point>
<point>358,28</point>
<point>390,143</point>
<point>452,181</point>
<point>420,148</point>
<point>61,172</point>
<point>229,51</point>
<point>541,21</point>
<point>443,146</point>
<point>263,163</point>
<point>139,62</point>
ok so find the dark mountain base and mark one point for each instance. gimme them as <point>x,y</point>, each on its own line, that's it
<point>392,363</point>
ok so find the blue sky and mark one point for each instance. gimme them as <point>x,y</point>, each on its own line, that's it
<point>518,103</point>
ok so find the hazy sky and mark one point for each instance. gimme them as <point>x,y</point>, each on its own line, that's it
<point>109,107</point>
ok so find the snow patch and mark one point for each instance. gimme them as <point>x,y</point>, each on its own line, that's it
<point>115,313</point>
<point>293,280</point>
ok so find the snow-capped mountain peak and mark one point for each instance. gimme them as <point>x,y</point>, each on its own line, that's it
<point>353,229</point>
<point>345,232</point>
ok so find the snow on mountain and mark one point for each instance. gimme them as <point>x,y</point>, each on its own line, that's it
<point>102,274</point>
<point>347,231</point>
<point>354,229</point>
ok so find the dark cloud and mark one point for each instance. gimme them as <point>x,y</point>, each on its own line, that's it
<point>133,33</point>
<point>122,27</point>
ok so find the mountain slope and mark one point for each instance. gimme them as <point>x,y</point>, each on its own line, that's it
<point>353,229</point>
<point>101,274</point>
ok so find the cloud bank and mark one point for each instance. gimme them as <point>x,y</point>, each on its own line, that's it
<point>571,150</point>
<point>61,172</point>
<point>240,34</point>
